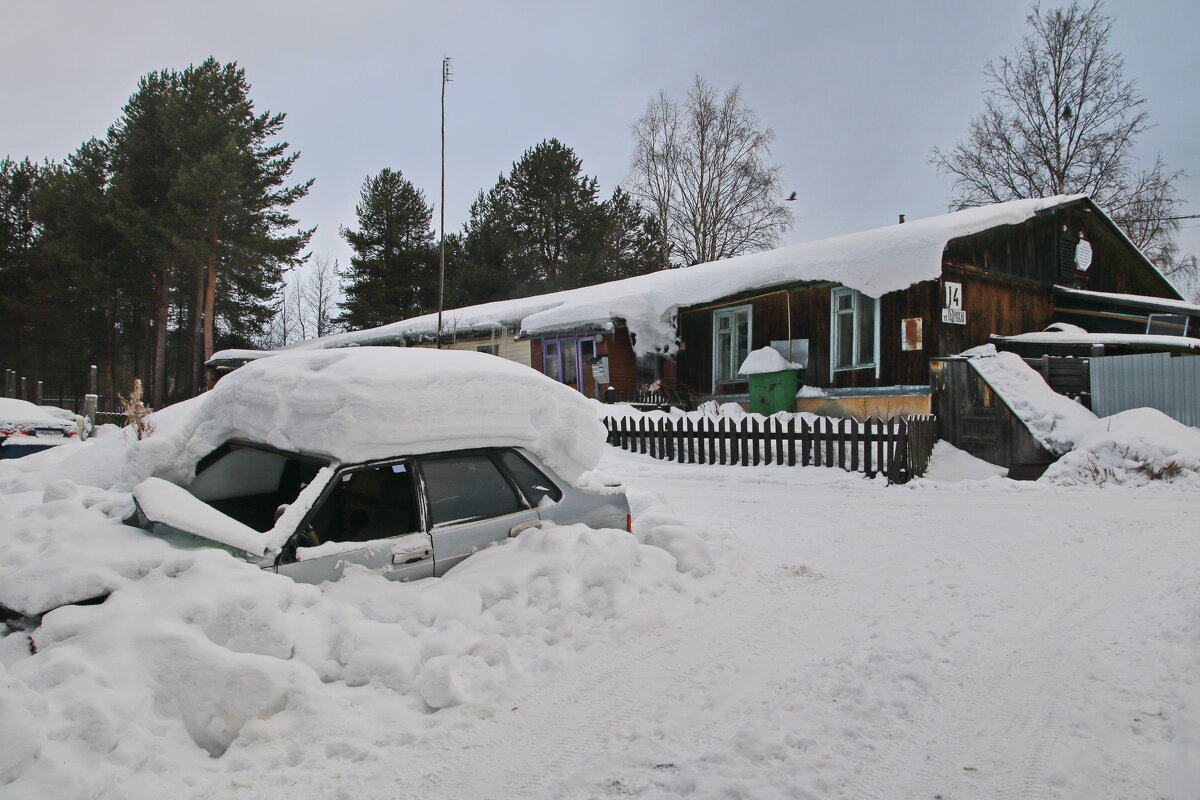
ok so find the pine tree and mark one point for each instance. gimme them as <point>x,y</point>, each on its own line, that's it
<point>82,256</point>
<point>200,194</point>
<point>632,242</point>
<point>554,215</point>
<point>393,272</point>
<point>541,229</point>
<point>18,233</point>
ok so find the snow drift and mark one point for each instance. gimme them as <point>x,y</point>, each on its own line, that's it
<point>1133,448</point>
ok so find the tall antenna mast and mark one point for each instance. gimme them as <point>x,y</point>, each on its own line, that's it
<point>447,76</point>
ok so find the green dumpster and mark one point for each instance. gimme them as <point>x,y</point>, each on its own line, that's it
<point>772,392</point>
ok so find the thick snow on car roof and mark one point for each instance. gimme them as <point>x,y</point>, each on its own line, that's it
<point>364,403</point>
<point>13,410</point>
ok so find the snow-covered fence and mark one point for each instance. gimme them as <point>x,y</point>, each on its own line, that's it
<point>898,448</point>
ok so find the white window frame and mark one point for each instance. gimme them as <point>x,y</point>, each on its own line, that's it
<point>857,300</point>
<point>731,312</point>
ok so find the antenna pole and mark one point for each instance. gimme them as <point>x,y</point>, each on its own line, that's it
<point>446,77</point>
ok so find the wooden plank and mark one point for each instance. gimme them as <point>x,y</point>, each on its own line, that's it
<point>805,443</point>
<point>843,436</point>
<point>791,442</point>
<point>882,449</point>
<point>855,442</point>
<point>721,439</point>
<point>828,442</point>
<point>756,436</point>
<point>868,440</point>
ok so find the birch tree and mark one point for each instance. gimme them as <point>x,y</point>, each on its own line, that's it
<point>703,171</point>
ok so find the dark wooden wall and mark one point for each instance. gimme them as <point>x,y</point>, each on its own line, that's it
<point>1007,274</point>
<point>973,418</point>
<point>996,304</point>
<point>622,365</point>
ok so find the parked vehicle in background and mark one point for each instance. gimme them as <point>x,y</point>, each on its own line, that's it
<point>27,428</point>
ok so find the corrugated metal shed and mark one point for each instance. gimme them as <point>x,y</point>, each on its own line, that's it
<point>1153,380</point>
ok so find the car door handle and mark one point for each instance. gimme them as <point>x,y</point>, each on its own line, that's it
<point>413,555</point>
<point>524,526</point>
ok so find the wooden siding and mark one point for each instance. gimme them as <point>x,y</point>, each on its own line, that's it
<point>1006,273</point>
<point>1035,251</point>
<point>994,304</point>
<point>622,365</point>
<point>519,352</point>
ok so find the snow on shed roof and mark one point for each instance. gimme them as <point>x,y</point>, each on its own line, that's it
<point>1084,339</point>
<point>1165,304</point>
<point>875,262</point>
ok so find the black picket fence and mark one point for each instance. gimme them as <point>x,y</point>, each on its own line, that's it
<point>897,448</point>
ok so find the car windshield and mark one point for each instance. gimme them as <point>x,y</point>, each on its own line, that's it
<point>250,484</point>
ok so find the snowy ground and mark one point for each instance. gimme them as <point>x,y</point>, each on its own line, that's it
<point>941,640</point>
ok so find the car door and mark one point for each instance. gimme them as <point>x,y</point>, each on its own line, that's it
<point>471,503</point>
<point>370,516</point>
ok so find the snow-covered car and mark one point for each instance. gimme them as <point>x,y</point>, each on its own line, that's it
<point>399,460</point>
<point>407,517</point>
<point>26,428</point>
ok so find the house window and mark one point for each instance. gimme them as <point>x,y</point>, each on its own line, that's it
<point>852,329</point>
<point>490,349</point>
<point>1167,324</point>
<point>731,343</point>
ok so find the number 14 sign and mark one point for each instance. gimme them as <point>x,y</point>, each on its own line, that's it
<point>952,310</point>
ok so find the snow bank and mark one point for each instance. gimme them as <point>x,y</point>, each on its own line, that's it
<point>874,262</point>
<point>1133,448</point>
<point>198,656</point>
<point>764,360</point>
<point>1054,420</point>
<point>949,464</point>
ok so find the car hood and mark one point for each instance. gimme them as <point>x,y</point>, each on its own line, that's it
<point>77,558</point>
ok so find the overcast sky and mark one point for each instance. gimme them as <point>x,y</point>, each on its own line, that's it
<point>856,92</point>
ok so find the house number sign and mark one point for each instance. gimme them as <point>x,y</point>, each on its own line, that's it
<point>952,310</point>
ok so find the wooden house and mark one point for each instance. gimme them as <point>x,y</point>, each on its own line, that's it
<point>864,313</point>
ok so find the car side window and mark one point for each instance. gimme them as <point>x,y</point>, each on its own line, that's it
<point>536,486</point>
<point>376,502</point>
<point>466,486</point>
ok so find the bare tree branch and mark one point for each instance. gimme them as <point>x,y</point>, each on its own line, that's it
<point>1060,118</point>
<point>702,170</point>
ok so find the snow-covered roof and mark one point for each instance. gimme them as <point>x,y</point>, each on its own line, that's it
<point>1156,341</point>
<point>874,262</point>
<point>1165,304</point>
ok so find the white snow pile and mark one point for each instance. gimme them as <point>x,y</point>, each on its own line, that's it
<point>765,360</point>
<point>355,404</point>
<point>875,262</point>
<point>1133,448</point>
<point>199,662</point>
<point>949,464</point>
<point>1054,420</point>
